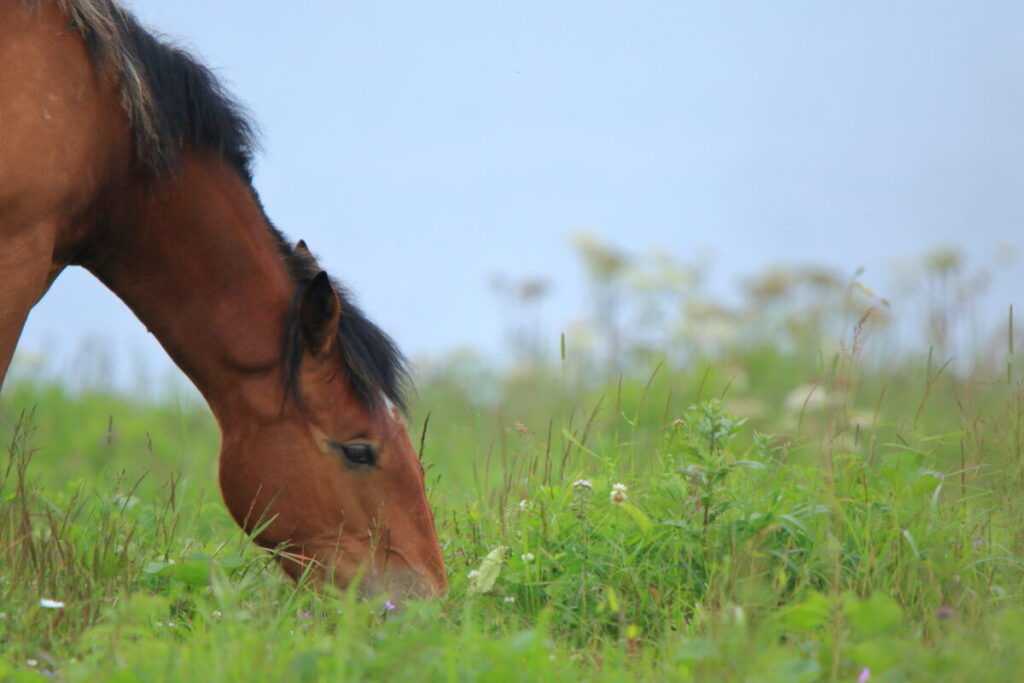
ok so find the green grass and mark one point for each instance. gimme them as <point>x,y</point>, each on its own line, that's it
<point>768,533</point>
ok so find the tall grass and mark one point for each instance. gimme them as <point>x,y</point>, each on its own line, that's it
<point>764,513</point>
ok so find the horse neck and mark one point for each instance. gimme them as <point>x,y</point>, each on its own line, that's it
<point>202,269</point>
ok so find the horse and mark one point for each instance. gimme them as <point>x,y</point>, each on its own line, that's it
<point>122,154</point>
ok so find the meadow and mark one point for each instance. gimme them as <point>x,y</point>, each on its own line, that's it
<point>788,488</point>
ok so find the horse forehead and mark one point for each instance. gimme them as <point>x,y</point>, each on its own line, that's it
<point>390,406</point>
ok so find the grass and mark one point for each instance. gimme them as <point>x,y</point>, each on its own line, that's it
<point>773,513</point>
<point>869,527</point>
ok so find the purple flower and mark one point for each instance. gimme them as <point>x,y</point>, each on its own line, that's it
<point>978,543</point>
<point>388,605</point>
<point>945,612</point>
<point>307,615</point>
<point>865,675</point>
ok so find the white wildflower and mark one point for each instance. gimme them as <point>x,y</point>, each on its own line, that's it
<point>32,662</point>
<point>527,557</point>
<point>473,574</point>
<point>582,484</point>
<point>509,599</point>
<point>216,614</point>
<point>618,494</point>
<point>524,505</point>
<point>51,604</point>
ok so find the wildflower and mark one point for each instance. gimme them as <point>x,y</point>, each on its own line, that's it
<point>527,557</point>
<point>524,505</point>
<point>51,604</point>
<point>388,605</point>
<point>582,484</point>
<point>473,574</point>
<point>307,615</point>
<point>978,543</point>
<point>216,614</point>
<point>945,612</point>
<point>32,662</point>
<point>618,495</point>
<point>865,675</point>
<point>510,599</point>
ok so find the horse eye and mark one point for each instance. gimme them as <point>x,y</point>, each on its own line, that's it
<point>359,453</point>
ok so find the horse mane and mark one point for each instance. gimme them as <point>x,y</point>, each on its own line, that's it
<point>373,362</point>
<point>172,103</point>
<point>170,99</point>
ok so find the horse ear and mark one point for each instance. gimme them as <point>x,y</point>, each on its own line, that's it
<point>319,313</point>
<point>302,250</point>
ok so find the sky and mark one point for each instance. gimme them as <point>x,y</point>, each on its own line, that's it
<point>423,148</point>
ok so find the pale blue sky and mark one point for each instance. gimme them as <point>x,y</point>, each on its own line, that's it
<point>421,148</point>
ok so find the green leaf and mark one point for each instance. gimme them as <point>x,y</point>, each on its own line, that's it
<point>809,615</point>
<point>750,464</point>
<point>878,654</point>
<point>488,572</point>
<point>904,461</point>
<point>925,483</point>
<point>794,522</point>
<point>571,438</point>
<point>796,671</point>
<point>873,616</point>
<point>190,572</point>
<point>231,562</point>
<point>642,520</point>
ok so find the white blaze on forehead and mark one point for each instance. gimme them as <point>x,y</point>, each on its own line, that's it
<point>391,407</point>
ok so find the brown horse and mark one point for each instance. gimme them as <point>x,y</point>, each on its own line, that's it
<point>123,155</point>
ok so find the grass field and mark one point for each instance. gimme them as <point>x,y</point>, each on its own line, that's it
<point>775,511</point>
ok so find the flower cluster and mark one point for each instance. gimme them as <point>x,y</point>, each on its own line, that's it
<point>618,495</point>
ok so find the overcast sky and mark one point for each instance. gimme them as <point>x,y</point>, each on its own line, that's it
<point>422,148</point>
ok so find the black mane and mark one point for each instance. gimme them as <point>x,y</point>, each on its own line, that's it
<point>171,100</point>
<point>375,366</point>
<point>175,103</point>
<point>191,108</point>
